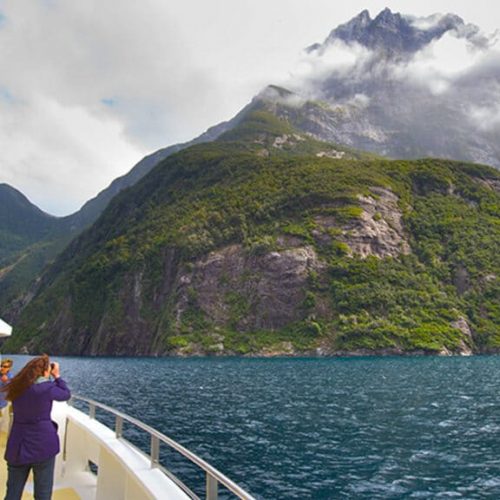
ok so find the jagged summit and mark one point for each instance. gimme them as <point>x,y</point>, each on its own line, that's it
<point>394,32</point>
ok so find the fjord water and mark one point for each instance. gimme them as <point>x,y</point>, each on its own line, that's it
<point>378,427</point>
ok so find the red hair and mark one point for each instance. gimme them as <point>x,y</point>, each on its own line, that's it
<point>26,377</point>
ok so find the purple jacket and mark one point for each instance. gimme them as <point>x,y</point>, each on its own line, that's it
<point>33,437</point>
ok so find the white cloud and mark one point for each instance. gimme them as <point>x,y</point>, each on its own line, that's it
<point>62,153</point>
<point>360,101</point>
<point>336,57</point>
<point>438,64</point>
<point>449,56</point>
<point>425,23</point>
<point>486,118</point>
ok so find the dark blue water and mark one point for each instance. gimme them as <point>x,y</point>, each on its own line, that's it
<point>422,427</point>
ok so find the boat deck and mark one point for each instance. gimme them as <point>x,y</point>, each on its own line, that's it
<point>60,492</point>
<point>124,473</point>
<point>97,462</point>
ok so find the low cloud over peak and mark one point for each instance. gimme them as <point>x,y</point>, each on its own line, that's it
<point>417,77</point>
<point>453,53</point>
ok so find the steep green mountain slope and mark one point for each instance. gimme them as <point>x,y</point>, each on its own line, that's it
<point>29,238</point>
<point>266,241</point>
<point>21,223</point>
<point>91,210</point>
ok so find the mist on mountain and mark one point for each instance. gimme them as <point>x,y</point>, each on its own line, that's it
<point>408,87</point>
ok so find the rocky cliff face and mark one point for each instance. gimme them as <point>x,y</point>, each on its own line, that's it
<point>391,119</point>
<point>377,231</point>
<point>229,288</point>
<point>252,292</point>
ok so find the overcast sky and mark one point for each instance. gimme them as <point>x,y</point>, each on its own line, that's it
<point>88,87</point>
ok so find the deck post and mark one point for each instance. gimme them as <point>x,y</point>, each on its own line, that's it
<point>155,451</point>
<point>119,426</point>
<point>212,487</point>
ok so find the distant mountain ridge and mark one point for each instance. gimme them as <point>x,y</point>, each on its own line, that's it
<point>382,102</point>
<point>21,222</point>
<point>31,239</point>
<point>395,33</point>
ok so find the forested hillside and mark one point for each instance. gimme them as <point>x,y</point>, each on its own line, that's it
<point>267,241</point>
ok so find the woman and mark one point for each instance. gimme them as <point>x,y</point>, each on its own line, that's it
<point>33,441</point>
<point>5,376</point>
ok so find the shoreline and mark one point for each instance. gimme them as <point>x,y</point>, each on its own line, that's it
<point>318,353</point>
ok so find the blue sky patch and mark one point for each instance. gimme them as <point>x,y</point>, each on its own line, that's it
<point>108,101</point>
<point>5,94</point>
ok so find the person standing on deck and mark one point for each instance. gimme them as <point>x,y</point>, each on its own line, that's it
<point>33,441</point>
<point>5,376</point>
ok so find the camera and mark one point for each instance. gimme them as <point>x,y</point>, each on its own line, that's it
<point>52,366</point>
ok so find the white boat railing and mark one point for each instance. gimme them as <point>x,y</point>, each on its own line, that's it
<point>214,478</point>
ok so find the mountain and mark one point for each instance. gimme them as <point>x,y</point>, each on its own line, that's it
<point>391,32</point>
<point>21,223</point>
<point>377,104</point>
<point>385,88</point>
<point>267,241</point>
<point>273,233</point>
<point>344,123</point>
<point>394,33</point>
<point>31,239</point>
<point>91,210</point>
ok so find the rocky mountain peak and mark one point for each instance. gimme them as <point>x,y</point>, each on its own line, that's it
<point>391,32</point>
<point>387,20</point>
<point>361,21</point>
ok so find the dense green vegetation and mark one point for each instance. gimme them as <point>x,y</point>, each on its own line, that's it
<point>21,225</point>
<point>119,284</point>
<point>29,239</point>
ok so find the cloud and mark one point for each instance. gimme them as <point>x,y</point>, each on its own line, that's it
<point>440,64</point>
<point>145,75</point>
<point>337,56</point>
<point>463,65</point>
<point>89,88</point>
<point>486,118</point>
<point>360,101</point>
<point>338,60</point>
<point>81,58</point>
<point>426,22</point>
<point>62,153</point>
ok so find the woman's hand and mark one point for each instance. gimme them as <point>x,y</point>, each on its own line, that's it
<point>55,370</point>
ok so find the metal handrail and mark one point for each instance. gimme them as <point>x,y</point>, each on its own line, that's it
<point>213,476</point>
